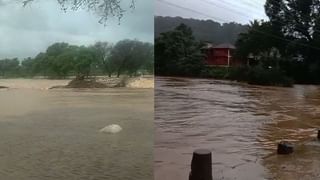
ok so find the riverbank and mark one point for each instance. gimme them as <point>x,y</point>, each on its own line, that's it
<point>145,82</point>
<point>111,82</point>
<point>249,75</point>
<point>256,75</point>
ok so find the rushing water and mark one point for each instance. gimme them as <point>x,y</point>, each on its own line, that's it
<point>240,124</point>
<point>54,134</point>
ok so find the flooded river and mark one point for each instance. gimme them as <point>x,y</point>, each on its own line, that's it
<point>241,124</point>
<point>54,134</point>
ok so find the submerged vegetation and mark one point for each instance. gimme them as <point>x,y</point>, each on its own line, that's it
<point>127,57</point>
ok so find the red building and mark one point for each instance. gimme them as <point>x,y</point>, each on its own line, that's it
<point>220,55</point>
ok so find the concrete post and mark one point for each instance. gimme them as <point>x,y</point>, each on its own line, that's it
<point>201,165</point>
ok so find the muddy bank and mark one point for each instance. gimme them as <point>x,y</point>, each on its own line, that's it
<point>144,82</point>
<point>110,82</point>
<point>135,82</point>
<point>85,83</point>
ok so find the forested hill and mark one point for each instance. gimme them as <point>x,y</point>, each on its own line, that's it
<point>204,30</point>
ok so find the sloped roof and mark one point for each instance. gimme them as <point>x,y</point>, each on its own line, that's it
<point>208,46</point>
<point>225,46</point>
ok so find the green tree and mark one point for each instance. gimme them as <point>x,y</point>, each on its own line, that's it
<point>40,65</point>
<point>9,67</point>
<point>27,66</point>
<point>129,56</point>
<point>299,22</point>
<point>178,53</point>
<point>82,61</point>
<point>102,51</point>
<point>249,43</point>
<point>141,56</point>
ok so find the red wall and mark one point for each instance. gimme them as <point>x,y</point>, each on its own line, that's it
<point>217,57</point>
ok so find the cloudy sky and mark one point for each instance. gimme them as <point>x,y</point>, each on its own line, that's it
<point>26,31</point>
<point>242,11</point>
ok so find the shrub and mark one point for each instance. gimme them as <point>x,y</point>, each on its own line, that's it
<point>257,75</point>
<point>215,72</point>
<point>268,76</point>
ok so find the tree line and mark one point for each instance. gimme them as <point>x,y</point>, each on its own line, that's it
<point>60,60</point>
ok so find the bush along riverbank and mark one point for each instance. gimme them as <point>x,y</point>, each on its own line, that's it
<point>257,75</point>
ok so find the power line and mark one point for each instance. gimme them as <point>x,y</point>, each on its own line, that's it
<point>221,20</point>
<point>225,7</point>
<point>245,15</point>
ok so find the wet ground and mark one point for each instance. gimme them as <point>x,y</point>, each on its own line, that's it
<point>54,134</point>
<point>241,124</point>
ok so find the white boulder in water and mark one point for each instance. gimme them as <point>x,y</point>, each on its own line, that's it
<point>112,129</point>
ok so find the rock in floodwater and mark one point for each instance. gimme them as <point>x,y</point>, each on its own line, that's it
<point>285,148</point>
<point>112,129</point>
<point>4,87</point>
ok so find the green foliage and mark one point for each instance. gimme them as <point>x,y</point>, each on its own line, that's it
<point>9,67</point>
<point>61,60</point>
<point>270,76</point>
<point>83,60</point>
<point>251,41</point>
<point>257,75</point>
<point>178,53</point>
<point>130,56</point>
<point>294,32</point>
<point>102,51</point>
<point>215,72</point>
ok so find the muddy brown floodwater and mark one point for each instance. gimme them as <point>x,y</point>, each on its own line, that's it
<point>54,134</point>
<point>241,124</point>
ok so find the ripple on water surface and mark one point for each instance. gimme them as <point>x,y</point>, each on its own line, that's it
<point>241,124</point>
<point>54,134</point>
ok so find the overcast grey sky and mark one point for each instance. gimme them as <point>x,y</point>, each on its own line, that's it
<point>27,31</point>
<point>242,11</point>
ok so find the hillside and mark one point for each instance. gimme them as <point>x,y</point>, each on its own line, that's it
<point>204,30</point>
